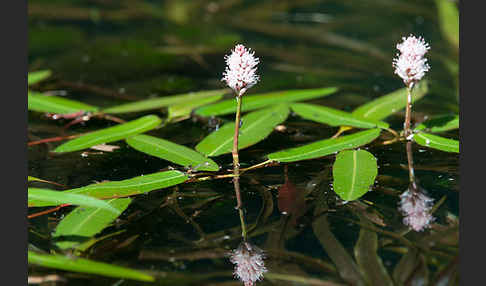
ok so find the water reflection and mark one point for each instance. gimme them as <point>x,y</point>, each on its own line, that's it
<point>415,205</point>
<point>249,264</point>
<point>291,201</point>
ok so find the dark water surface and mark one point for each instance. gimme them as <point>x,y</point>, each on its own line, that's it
<point>110,52</point>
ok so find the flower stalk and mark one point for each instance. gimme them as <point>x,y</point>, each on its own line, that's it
<point>408,114</point>
<point>236,167</point>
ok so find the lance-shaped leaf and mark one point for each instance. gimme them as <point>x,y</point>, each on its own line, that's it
<point>406,266</point>
<point>436,142</point>
<point>82,265</point>
<point>111,134</point>
<point>345,264</point>
<point>256,101</point>
<point>183,110</point>
<point>412,269</point>
<point>386,105</point>
<point>156,103</point>
<point>354,172</point>
<point>366,253</point>
<point>255,127</point>
<point>325,147</point>
<point>124,188</point>
<point>334,117</point>
<point>84,222</point>
<point>55,104</point>
<point>172,152</point>
<point>37,76</point>
<point>439,123</point>
<point>51,197</point>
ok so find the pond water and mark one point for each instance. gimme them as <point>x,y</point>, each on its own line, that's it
<point>106,53</point>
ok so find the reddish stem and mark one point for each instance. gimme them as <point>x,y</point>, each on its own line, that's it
<point>53,139</point>
<point>47,211</point>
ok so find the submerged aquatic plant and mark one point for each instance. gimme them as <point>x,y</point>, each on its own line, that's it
<point>240,75</point>
<point>249,264</point>
<point>411,66</point>
<point>416,207</point>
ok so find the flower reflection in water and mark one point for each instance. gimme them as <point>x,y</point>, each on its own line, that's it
<point>249,264</point>
<point>416,207</point>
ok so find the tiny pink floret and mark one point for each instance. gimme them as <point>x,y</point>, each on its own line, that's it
<point>240,73</point>
<point>410,63</point>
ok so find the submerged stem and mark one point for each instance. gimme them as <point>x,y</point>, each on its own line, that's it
<point>236,166</point>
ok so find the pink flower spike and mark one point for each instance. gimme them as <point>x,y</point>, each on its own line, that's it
<point>249,265</point>
<point>410,64</point>
<point>240,73</point>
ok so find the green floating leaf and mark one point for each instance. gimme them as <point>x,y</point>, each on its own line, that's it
<point>256,101</point>
<point>55,104</point>
<point>436,142</point>
<point>255,127</point>
<point>156,103</point>
<point>172,152</point>
<point>60,197</point>
<point>354,171</point>
<point>185,109</point>
<point>325,147</point>
<point>82,265</point>
<point>85,222</point>
<point>334,117</point>
<point>386,105</point>
<point>449,21</point>
<point>37,76</point>
<point>439,123</point>
<point>125,188</point>
<point>111,134</point>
